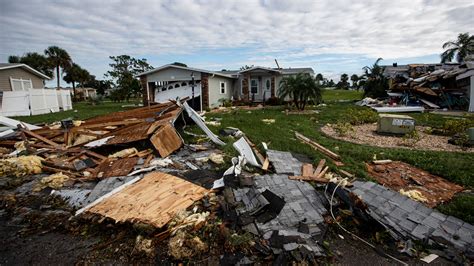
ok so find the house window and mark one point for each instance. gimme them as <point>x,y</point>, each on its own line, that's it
<point>254,86</point>
<point>21,84</point>
<point>268,84</point>
<point>223,87</point>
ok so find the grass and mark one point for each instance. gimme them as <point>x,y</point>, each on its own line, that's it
<point>454,166</point>
<point>341,95</point>
<point>80,111</point>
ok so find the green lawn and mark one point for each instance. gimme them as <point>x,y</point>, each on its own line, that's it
<point>457,167</point>
<point>80,111</point>
<point>341,95</point>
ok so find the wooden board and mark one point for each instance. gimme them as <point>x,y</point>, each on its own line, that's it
<point>307,169</point>
<point>166,140</point>
<point>120,167</point>
<point>154,200</point>
<point>319,168</point>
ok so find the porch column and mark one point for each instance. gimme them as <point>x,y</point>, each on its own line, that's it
<point>245,88</point>
<point>205,90</point>
<point>144,84</point>
<point>272,86</point>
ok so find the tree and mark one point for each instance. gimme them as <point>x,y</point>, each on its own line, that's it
<point>72,76</point>
<point>180,64</point>
<point>58,58</point>
<point>319,77</point>
<point>375,84</point>
<point>343,84</point>
<point>34,60</point>
<point>354,79</point>
<point>124,70</point>
<point>461,48</point>
<point>301,89</point>
<point>246,67</point>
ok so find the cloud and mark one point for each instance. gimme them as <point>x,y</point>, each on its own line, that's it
<point>245,32</point>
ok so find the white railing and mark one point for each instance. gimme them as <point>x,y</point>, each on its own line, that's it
<point>34,102</point>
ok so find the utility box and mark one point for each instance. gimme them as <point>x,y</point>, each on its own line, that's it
<point>395,124</point>
<point>470,132</point>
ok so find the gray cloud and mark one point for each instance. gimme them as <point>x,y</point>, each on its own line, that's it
<point>295,30</point>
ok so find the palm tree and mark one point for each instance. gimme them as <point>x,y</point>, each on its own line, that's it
<point>72,76</point>
<point>59,58</point>
<point>301,89</point>
<point>460,48</point>
<point>354,79</point>
<point>375,83</point>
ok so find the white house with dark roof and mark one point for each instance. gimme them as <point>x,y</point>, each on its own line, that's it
<point>256,84</point>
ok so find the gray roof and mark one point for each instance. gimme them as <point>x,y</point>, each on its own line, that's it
<point>25,67</point>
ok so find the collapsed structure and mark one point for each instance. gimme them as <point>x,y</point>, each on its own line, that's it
<point>434,86</point>
<point>133,167</point>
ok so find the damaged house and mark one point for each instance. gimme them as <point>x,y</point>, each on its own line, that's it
<point>210,88</point>
<point>447,85</point>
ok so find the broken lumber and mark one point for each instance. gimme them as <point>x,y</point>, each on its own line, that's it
<point>382,161</point>
<point>319,168</point>
<point>318,147</point>
<point>39,137</point>
<point>309,178</point>
<point>166,140</point>
<point>307,169</point>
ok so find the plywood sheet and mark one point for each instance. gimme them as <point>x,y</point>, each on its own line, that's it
<point>153,200</point>
<point>120,167</point>
<point>166,140</point>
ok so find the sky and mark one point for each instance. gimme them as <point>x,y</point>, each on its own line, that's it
<point>332,37</point>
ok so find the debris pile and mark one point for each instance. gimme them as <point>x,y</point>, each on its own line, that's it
<point>412,88</point>
<point>132,168</point>
<point>427,188</point>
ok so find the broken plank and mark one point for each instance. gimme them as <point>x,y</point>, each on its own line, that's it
<point>347,174</point>
<point>266,164</point>
<point>307,169</point>
<point>382,161</point>
<point>323,172</point>
<point>39,137</point>
<point>166,140</point>
<point>319,167</point>
<point>318,147</point>
<point>309,178</point>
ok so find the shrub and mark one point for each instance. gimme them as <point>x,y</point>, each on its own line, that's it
<point>225,102</point>
<point>343,128</point>
<point>361,116</point>
<point>457,126</point>
<point>274,101</point>
<point>410,139</point>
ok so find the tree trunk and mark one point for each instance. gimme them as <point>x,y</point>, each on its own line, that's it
<point>57,75</point>
<point>74,88</point>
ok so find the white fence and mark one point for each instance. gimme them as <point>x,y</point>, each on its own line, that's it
<point>34,102</point>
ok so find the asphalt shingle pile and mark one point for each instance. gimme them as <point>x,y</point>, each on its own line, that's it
<point>409,219</point>
<point>284,162</point>
<point>301,216</point>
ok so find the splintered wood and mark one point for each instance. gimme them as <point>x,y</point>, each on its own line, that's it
<point>307,173</point>
<point>166,140</point>
<point>154,200</point>
<point>319,147</point>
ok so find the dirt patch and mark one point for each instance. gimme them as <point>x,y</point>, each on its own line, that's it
<point>400,175</point>
<point>366,134</point>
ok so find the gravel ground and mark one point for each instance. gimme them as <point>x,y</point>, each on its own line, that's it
<point>365,134</point>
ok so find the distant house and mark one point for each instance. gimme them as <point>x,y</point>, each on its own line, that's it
<point>256,84</point>
<point>20,77</point>
<point>22,92</point>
